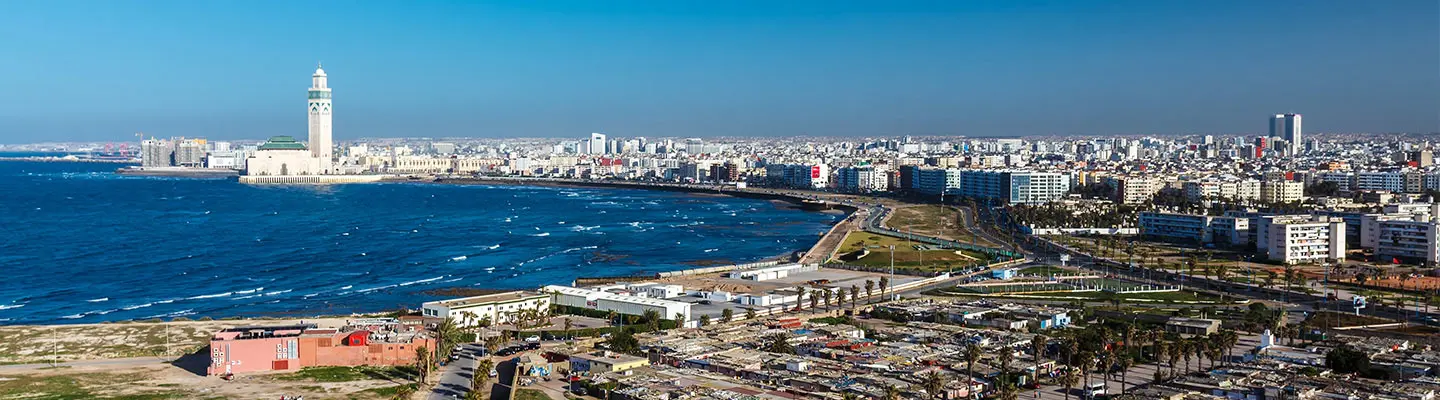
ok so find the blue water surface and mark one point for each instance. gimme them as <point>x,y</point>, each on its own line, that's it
<point>82,244</point>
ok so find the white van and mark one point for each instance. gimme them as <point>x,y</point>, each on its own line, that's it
<point>1095,389</point>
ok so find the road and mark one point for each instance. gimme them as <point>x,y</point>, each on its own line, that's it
<point>455,376</point>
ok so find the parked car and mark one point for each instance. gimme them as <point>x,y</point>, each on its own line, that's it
<point>533,339</point>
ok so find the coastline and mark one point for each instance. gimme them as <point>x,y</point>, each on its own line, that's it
<point>806,203</point>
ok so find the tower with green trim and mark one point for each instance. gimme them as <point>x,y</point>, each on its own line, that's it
<point>320,144</point>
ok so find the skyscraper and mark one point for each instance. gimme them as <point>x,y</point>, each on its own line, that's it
<point>597,143</point>
<point>1287,126</point>
<point>320,139</point>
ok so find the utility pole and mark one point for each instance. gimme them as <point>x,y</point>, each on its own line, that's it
<point>892,270</point>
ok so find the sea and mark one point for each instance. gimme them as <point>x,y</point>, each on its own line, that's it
<point>82,244</point>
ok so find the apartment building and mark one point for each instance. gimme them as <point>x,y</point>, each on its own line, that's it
<point>1408,240</point>
<point>1132,190</point>
<point>1295,239</point>
<point>1281,191</point>
<point>1015,186</point>
<point>862,179</point>
<point>1176,227</point>
<point>935,181</point>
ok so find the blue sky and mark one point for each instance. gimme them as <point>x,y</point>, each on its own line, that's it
<point>102,70</point>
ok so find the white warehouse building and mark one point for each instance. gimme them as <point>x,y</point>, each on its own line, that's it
<point>619,303</point>
<point>498,308</point>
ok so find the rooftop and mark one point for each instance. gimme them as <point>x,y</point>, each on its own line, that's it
<point>282,143</point>
<point>488,298</point>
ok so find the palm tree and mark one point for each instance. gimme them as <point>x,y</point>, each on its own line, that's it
<point>613,317</point>
<point>568,324</point>
<point>1069,380</point>
<point>1173,354</point>
<point>934,383</point>
<point>1038,345</point>
<point>891,392</point>
<point>814,299</point>
<point>1124,363</point>
<point>972,354</point>
<point>680,320</point>
<point>480,376</point>
<point>749,313</point>
<point>705,320</point>
<point>840,299</point>
<point>1087,363</point>
<point>652,320</point>
<point>826,296</point>
<point>445,334</point>
<point>854,296</point>
<point>1006,356</point>
<point>779,343</point>
<point>869,290</point>
<point>727,315</point>
<point>422,364</point>
<point>1008,391</point>
<point>884,283</point>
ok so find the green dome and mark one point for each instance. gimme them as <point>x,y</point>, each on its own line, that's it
<point>282,143</point>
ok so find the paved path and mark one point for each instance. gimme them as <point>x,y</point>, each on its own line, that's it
<point>455,376</point>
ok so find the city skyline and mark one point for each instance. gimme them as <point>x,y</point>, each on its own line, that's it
<point>807,69</point>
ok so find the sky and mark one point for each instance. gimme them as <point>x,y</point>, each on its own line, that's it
<point>104,70</point>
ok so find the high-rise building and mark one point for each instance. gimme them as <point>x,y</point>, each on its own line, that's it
<point>320,144</point>
<point>597,143</point>
<point>156,153</point>
<point>1287,126</point>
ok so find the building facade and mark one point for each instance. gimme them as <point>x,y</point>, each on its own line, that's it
<point>499,308</point>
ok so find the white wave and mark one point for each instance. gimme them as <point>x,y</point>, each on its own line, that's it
<point>493,247</point>
<point>73,316</point>
<point>209,296</point>
<point>180,313</point>
<point>245,297</point>
<point>507,220</point>
<point>344,233</point>
<point>460,258</point>
<point>136,307</point>
<point>710,250</point>
<point>102,299</point>
<point>451,280</point>
<point>279,292</point>
<point>165,301</point>
<point>487,269</point>
<point>250,291</point>
<point>560,223</point>
<point>422,281</point>
<point>11,306</point>
<point>346,287</point>
<point>541,234</point>
<point>370,289</point>
<point>580,228</point>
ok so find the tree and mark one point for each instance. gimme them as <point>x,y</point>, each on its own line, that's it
<point>1345,359</point>
<point>826,295</point>
<point>892,392</point>
<point>727,315</point>
<point>779,343</point>
<point>972,355</point>
<point>1037,346</point>
<point>480,376</point>
<point>613,317</point>
<point>1086,362</point>
<point>446,333</point>
<point>869,290</point>
<point>884,283</point>
<point>934,383</point>
<point>814,299</point>
<point>652,320</point>
<point>1069,380</point>
<point>854,296</point>
<point>624,342</point>
<point>705,320</point>
<point>1124,362</point>
<point>568,325</point>
<point>679,319</point>
<point>749,313</point>
<point>840,299</point>
<point>422,364</point>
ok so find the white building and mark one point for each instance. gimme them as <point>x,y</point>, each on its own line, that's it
<point>499,308</point>
<point>619,303</point>
<point>862,179</point>
<point>596,144</point>
<point>282,156</point>
<point>1295,239</point>
<point>1408,240</point>
<point>1281,191</point>
<point>1287,126</point>
<point>1174,226</point>
<point>1132,190</point>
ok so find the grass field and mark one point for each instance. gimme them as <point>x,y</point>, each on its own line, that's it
<point>1094,296</point>
<point>934,220</point>
<point>906,253</point>
<point>349,374</point>
<point>530,394</point>
<point>1045,270</point>
<point>83,386</point>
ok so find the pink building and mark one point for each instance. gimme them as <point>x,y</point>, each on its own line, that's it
<point>288,348</point>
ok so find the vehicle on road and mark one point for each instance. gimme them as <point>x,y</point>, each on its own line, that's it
<point>533,339</point>
<point>1094,390</point>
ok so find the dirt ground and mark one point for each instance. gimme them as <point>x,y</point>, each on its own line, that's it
<point>934,220</point>
<point>166,381</point>
<point>23,344</point>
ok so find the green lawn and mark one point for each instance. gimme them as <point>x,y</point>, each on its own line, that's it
<point>906,253</point>
<point>348,374</point>
<point>530,394</point>
<point>1045,270</point>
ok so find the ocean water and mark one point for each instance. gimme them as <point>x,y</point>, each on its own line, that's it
<point>80,244</point>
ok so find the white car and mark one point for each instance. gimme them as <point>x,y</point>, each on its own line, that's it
<point>532,339</point>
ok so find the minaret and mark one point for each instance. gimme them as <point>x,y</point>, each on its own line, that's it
<point>320,144</point>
